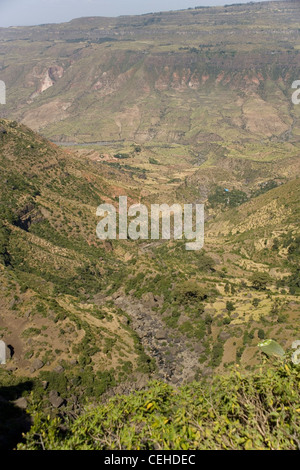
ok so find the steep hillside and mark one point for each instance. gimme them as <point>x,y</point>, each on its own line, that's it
<point>51,263</point>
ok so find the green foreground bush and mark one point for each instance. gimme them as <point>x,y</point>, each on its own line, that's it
<point>260,410</point>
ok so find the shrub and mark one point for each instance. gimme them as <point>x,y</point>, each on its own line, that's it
<point>190,291</point>
<point>261,334</point>
<point>230,306</point>
<point>260,280</point>
<point>259,410</point>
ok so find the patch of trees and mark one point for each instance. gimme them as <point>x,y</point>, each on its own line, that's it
<point>223,197</point>
<point>265,187</point>
<point>4,242</point>
<point>293,281</point>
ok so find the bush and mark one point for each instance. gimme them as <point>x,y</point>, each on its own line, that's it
<point>190,291</point>
<point>260,280</point>
<point>261,334</point>
<point>217,353</point>
<point>153,161</point>
<point>259,410</point>
<point>230,306</point>
<point>294,281</point>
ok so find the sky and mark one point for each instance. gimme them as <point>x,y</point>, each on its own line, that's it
<point>33,12</point>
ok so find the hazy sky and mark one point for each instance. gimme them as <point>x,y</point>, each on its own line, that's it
<point>31,12</point>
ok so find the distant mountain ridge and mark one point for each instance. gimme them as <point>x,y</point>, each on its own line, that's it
<point>165,77</point>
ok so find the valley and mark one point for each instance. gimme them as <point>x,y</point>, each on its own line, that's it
<point>188,107</point>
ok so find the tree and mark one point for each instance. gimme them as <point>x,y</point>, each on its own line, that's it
<point>261,334</point>
<point>190,291</point>
<point>260,280</point>
<point>230,306</point>
<point>4,241</point>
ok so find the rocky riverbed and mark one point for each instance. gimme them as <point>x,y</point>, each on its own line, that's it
<point>176,356</point>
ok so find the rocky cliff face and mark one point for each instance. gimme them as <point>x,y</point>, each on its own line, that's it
<point>44,79</point>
